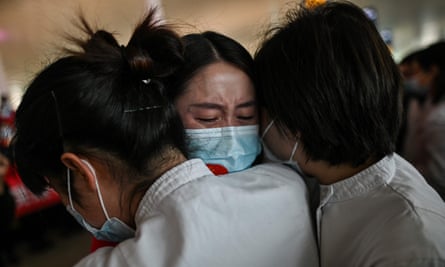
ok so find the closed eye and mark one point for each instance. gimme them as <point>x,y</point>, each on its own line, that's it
<point>246,118</point>
<point>207,119</point>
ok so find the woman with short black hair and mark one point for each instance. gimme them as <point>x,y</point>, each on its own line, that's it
<point>329,82</point>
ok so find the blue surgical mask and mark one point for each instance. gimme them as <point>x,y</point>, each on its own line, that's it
<point>113,229</point>
<point>235,148</point>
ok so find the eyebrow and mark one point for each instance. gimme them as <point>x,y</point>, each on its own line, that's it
<point>217,106</point>
<point>207,106</point>
<point>247,104</point>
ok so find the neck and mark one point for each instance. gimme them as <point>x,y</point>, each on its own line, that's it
<point>169,159</point>
<point>327,174</point>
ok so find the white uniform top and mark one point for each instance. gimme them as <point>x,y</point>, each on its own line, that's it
<point>386,215</point>
<point>190,217</point>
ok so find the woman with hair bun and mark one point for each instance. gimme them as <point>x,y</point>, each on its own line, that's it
<point>98,127</point>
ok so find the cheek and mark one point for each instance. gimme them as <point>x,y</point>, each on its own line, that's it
<point>188,121</point>
<point>186,117</point>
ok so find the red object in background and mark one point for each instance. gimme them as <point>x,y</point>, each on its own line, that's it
<point>96,244</point>
<point>26,202</point>
<point>217,169</point>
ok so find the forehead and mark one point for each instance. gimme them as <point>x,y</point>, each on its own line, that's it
<point>220,81</point>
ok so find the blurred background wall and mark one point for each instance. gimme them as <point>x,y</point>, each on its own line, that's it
<point>30,29</point>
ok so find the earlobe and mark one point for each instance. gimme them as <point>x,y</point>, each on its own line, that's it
<point>76,164</point>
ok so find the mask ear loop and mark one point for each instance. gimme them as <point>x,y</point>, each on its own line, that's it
<point>267,129</point>
<point>294,149</point>
<point>99,194</point>
<point>68,180</point>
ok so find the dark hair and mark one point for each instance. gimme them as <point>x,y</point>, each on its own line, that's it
<point>106,101</point>
<point>410,58</point>
<point>203,49</point>
<point>434,55</point>
<point>328,75</point>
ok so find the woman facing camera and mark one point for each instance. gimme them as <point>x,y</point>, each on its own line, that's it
<point>215,97</point>
<point>97,125</point>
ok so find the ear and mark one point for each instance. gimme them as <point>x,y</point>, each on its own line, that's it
<point>75,164</point>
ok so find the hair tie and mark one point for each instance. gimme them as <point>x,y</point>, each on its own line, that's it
<point>124,56</point>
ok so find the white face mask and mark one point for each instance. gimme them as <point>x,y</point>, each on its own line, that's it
<point>113,229</point>
<point>270,156</point>
<point>293,163</point>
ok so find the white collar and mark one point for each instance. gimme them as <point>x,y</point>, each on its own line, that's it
<point>377,174</point>
<point>171,180</point>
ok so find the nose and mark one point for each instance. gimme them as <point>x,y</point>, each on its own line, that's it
<point>232,121</point>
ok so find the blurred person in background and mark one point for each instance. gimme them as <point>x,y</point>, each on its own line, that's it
<point>412,91</point>
<point>7,117</point>
<point>7,202</point>
<point>425,144</point>
<point>98,127</point>
<point>32,227</point>
<point>409,66</point>
<point>7,214</point>
<point>331,85</point>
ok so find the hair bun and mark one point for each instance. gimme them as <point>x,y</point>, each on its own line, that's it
<point>154,50</point>
<point>98,40</point>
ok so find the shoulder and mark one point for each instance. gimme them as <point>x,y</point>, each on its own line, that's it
<point>106,256</point>
<point>277,171</point>
<point>415,192</point>
<point>270,183</point>
<point>267,175</point>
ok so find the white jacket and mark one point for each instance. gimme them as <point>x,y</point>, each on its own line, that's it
<point>190,217</point>
<point>384,216</point>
